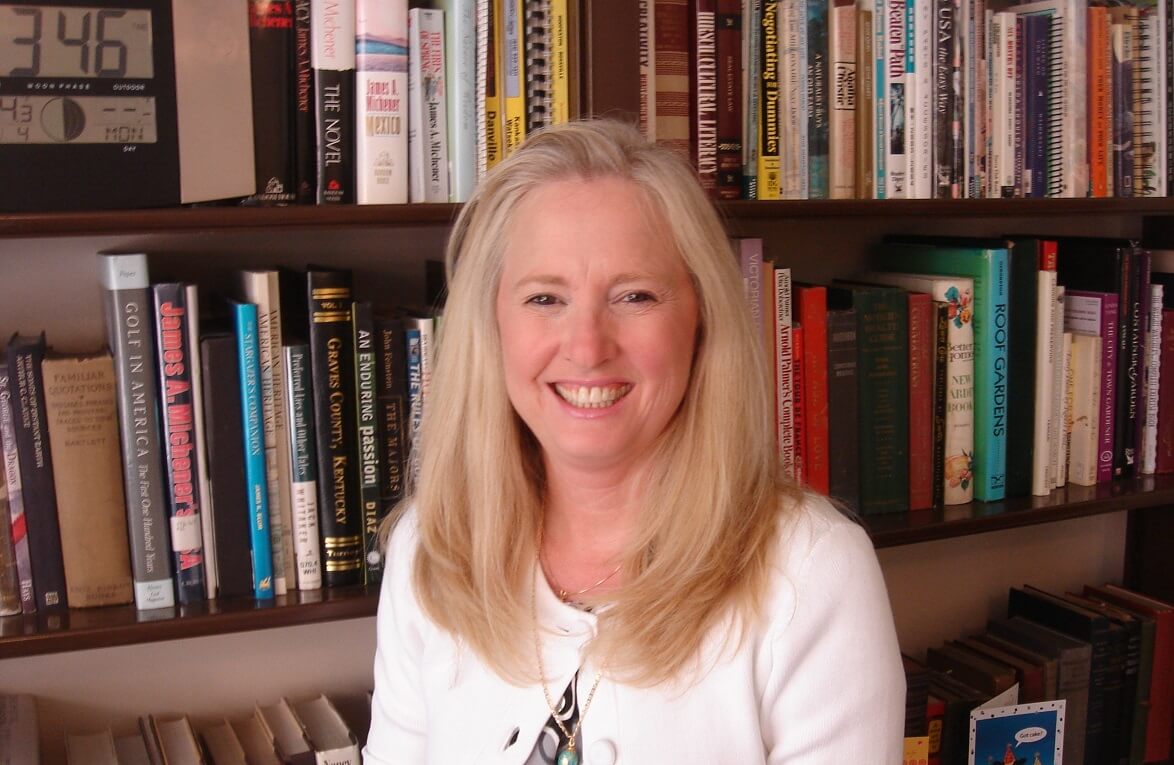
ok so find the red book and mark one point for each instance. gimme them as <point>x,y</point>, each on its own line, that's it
<point>813,317</point>
<point>729,95</point>
<point>921,384</point>
<point>671,50</point>
<point>799,381</point>
<point>1165,455</point>
<point>1159,733</point>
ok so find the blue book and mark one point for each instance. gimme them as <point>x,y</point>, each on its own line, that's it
<point>1036,66</point>
<point>415,357</point>
<point>818,114</point>
<point>244,317</point>
<point>987,263</point>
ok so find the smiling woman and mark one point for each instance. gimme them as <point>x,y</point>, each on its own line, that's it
<point>601,560</point>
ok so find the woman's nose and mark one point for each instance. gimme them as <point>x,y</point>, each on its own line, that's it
<point>589,336</point>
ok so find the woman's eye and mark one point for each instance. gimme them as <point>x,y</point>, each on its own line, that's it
<point>637,297</point>
<point>542,300</point>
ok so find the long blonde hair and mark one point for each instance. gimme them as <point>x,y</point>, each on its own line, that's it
<point>703,546</point>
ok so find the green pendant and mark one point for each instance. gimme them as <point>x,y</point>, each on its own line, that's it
<point>567,756</point>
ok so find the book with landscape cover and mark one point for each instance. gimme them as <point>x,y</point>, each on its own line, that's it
<point>229,495</point>
<point>332,356</point>
<point>26,355</point>
<point>186,504</point>
<point>129,331</point>
<point>381,97</point>
<point>82,409</point>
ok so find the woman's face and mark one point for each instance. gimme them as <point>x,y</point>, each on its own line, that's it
<point>598,323</point>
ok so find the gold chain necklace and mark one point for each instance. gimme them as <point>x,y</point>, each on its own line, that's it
<point>567,755</point>
<point>563,594</point>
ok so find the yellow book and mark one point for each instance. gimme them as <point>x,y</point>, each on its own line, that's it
<point>770,179</point>
<point>513,74</point>
<point>494,86</point>
<point>560,73</point>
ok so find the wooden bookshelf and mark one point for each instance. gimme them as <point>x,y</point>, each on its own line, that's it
<point>84,628</point>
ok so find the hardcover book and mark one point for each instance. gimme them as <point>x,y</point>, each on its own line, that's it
<point>332,740</point>
<point>427,109</point>
<point>9,578</point>
<point>1095,313</point>
<point>20,539</point>
<point>82,412</point>
<point>271,55</point>
<point>843,435</point>
<point>332,56</point>
<point>128,328</point>
<point>332,355</point>
<point>25,357</point>
<point>381,85</point>
<point>185,506</point>
<point>303,455</point>
<point>460,45</point>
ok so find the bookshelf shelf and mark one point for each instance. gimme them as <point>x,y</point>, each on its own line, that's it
<point>80,629</point>
<point>979,517</point>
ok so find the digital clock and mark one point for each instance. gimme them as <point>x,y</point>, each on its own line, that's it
<point>135,103</point>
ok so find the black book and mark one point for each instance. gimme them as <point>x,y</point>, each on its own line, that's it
<point>1022,307</point>
<point>332,25</point>
<point>370,431</point>
<point>304,135</point>
<point>941,353</point>
<point>271,56</point>
<point>843,435</point>
<point>1113,265</point>
<point>1106,662</point>
<point>916,696</point>
<point>391,401</point>
<point>224,428</point>
<point>332,359</point>
<point>980,672</point>
<point>960,700</point>
<point>27,386</point>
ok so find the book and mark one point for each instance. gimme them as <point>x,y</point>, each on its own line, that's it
<point>174,738</point>
<point>812,304</point>
<point>127,301</point>
<point>253,433</point>
<point>1095,313</point>
<point>131,749</point>
<point>381,101</point>
<point>26,381</point>
<point>1028,674</point>
<point>460,45</point>
<point>262,288</point>
<point>1042,306</point>
<point>513,71</point>
<point>729,93</point>
<point>1153,378</point>
<point>332,56</point>
<point>427,108</point>
<point>9,576</point>
<point>370,437</point>
<point>331,336</point>
<point>784,360</point>
<point>1084,435</point>
<point>82,414</point>
<point>1027,258</point>
<point>176,358</point>
<point>305,132</point>
<point>200,436</point>
<point>957,293</point>
<point>921,379</point>
<point>843,427</point>
<point>818,100</point>
<point>391,401</point>
<point>794,87</point>
<point>255,740</point>
<point>222,745</point>
<point>769,172</point>
<point>1164,456</point>
<point>91,748</point>
<point>536,48</point>
<point>303,456</point>
<point>15,496</point>
<point>286,733</point>
<point>271,53</point>
<point>228,495</point>
<point>703,123</point>
<point>332,740</point>
<point>842,85</point>
<point>983,673</point>
<point>986,263</point>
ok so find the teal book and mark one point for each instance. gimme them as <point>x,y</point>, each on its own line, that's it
<point>987,262</point>
<point>244,316</point>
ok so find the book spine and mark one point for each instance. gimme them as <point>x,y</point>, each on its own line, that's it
<point>945,179</point>
<point>1045,361</point>
<point>303,458</point>
<point>460,45</point>
<point>332,356</point>
<point>20,540</point>
<point>271,52</point>
<point>784,360</point>
<point>750,260</point>
<point>1023,70</point>
<point>262,289</point>
<point>818,112</point>
<point>729,96</point>
<point>813,319</point>
<point>1151,176</point>
<point>490,80</point>
<point>332,55</point>
<point>882,333</point>
<point>1122,36</point>
<point>865,92</point>
<point>941,318</point>
<point>25,356</point>
<point>920,322</point>
<point>1153,375</point>
<point>228,495</point>
<point>703,127</point>
<point>561,51</point>
<point>427,118</point>
<point>9,576</point>
<point>1056,459</point>
<point>304,118</point>
<point>370,439</point>
<point>793,90</point>
<point>880,116</point>
<point>1086,393</point>
<point>919,98</point>
<point>514,72</point>
<point>381,87</point>
<point>175,386</point>
<point>199,432</point>
<point>129,333</point>
<point>1109,386</point>
<point>253,433</point>
<point>1004,113</point>
<point>1166,25</point>
<point>770,182</point>
<point>958,447</point>
<point>752,95</point>
<point>1100,100</point>
<point>91,508</point>
<point>799,406</point>
<point>1164,459</point>
<point>415,364</point>
<point>843,84</point>
<point>1037,49</point>
<point>392,409</point>
<point>843,440</point>
<point>896,132</point>
<point>1023,304</point>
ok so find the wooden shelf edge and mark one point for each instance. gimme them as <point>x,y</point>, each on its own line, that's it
<point>186,219</point>
<point>980,517</point>
<point>83,629</point>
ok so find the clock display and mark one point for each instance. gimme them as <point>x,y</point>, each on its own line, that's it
<point>39,41</point>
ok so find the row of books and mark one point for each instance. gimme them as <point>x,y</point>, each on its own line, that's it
<point>283,733</point>
<point>919,99</point>
<point>970,369</point>
<point>223,446</point>
<point>423,103</point>
<point>1107,652</point>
